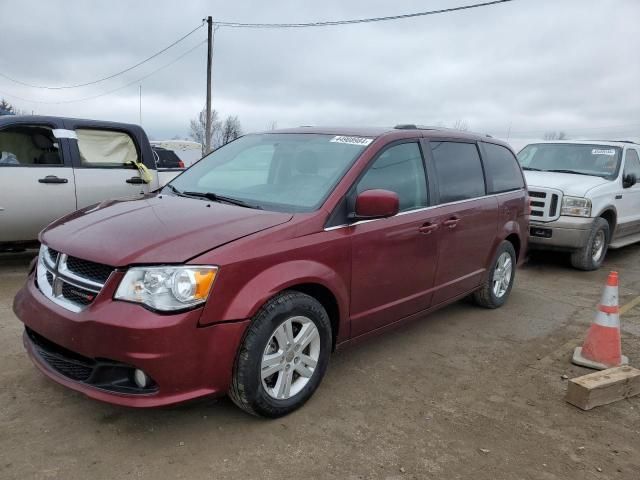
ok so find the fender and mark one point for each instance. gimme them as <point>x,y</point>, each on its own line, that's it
<point>276,278</point>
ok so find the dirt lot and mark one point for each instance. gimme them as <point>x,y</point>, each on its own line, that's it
<point>463,393</point>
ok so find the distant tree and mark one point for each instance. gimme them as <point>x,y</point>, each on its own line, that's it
<point>273,125</point>
<point>231,129</point>
<point>461,125</point>
<point>555,135</point>
<point>197,130</point>
<point>6,108</point>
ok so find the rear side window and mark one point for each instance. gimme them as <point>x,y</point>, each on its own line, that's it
<point>458,171</point>
<point>105,148</point>
<point>503,172</point>
<point>401,170</point>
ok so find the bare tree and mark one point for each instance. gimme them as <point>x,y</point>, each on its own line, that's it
<point>231,129</point>
<point>461,125</point>
<point>273,125</point>
<point>197,129</point>
<point>555,135</point>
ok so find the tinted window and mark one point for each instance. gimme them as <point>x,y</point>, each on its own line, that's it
<point>632,163</point>
<point>458,171</point>
<point>401,170</point>
<point>167,158</point>
<point>503,172</point>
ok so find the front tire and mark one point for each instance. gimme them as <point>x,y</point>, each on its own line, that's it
<point>592,254</point>
<point>497,287</point>
<point>283,357</point>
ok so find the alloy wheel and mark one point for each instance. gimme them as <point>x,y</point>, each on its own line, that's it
<point>290,357</point>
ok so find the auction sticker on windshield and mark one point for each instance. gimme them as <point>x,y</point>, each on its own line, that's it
<point>352,140</point>
<point>597,151</point>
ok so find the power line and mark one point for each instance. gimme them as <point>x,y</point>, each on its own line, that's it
<point>63,87</point>
<point>357,20</point>
<point>109,91</point>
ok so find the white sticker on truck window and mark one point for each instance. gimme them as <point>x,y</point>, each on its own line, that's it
<point>352,140</point>
<point>598,151</point>
<point>62,133</point>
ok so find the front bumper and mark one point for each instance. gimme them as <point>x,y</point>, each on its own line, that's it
<point>569,233</point>
<point>185,361</point>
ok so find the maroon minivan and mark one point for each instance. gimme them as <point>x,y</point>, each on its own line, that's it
<point>244,273</point>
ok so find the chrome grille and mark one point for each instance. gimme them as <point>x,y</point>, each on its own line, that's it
<point>545,204</point>
<point>70,282</point>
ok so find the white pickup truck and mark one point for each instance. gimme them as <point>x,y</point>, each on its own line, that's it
<point>584,197</point>
<point>51,166</point>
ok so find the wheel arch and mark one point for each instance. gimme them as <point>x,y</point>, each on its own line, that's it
<point>312,278</point>
<point>327,299</point>
<point>514,239</point>
<point>610,214</point>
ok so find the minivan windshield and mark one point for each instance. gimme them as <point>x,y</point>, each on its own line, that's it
<point>582,159</point>
<point>273,171</point>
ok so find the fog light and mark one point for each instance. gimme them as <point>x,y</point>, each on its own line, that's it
<point>141,378</point>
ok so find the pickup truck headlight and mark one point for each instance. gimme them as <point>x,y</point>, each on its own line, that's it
<point>576,207</point>
<point>167,288</point>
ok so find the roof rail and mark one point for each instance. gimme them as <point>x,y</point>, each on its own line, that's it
<point>406,126</point>
<point>619,141</point>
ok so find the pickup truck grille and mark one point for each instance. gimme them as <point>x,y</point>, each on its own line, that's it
<point>68,281</point>
<point>545,204</point>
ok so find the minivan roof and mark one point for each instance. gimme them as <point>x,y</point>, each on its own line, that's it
<point>399,131</point>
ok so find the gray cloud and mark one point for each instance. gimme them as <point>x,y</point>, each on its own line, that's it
<point>530,65</point>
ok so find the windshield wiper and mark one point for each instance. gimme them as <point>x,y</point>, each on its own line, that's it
<point>214,197</point>
<point>533,169</point>
<point>562,170</point>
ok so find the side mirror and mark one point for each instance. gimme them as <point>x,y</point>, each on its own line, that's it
<point>378,203</point>
<point>629,180</point>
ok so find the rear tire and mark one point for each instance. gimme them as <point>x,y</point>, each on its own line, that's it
<point>291,337</point>
<point>592,254</point>
<point>497,287</point>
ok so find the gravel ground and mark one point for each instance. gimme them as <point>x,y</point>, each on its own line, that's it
<point>462,393</point>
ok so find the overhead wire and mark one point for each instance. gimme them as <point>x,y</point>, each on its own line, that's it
<point>332,23</point>
<point>109,91</point>
<point>109,77</point>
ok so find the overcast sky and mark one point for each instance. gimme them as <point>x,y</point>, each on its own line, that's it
<point>530,65</point>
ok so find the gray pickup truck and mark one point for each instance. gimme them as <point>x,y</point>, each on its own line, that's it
<point>51,166</point>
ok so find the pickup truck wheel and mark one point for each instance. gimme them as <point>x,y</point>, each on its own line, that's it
<point>591,256</point>
<point>497,287</point>
<point>283,356</point>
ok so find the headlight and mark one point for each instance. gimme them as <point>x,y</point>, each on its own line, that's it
<point>576,207</point>
<point>167,288</point>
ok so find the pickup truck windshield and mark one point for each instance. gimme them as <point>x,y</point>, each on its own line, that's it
<point>274,171</point>
<point>582,159</point>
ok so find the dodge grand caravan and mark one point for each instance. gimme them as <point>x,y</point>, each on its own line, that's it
<point>247,270</point>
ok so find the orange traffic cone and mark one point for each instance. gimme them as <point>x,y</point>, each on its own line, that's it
<point>602,348</point>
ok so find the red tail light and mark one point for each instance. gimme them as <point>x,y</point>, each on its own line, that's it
<point>180,164</point>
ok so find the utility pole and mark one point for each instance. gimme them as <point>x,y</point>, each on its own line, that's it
<point>140,104</point>
<point>207,140</point>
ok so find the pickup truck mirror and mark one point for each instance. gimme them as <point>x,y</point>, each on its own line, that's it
<point>629,180</point>
<point>376,203</point>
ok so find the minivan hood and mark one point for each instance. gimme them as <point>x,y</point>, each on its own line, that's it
<point>568,183</point>
<point>154,229</point>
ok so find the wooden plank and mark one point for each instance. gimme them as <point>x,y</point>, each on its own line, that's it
<point>601,388</point>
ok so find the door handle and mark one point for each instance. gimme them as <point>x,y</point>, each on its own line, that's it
<point>427,228</point>
<point>52,179</point>
<point>135,180</point>
<point>451,222</point>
